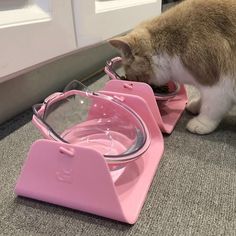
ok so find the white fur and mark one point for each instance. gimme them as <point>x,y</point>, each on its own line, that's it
<point>161,66</point>
<point>215,100</point>
<point>166,68</point>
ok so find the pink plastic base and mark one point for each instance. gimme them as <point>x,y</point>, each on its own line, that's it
<point>79,177</point>
<point>166,112</point>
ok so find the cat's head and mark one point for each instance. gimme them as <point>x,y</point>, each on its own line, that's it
<point>135,49</point>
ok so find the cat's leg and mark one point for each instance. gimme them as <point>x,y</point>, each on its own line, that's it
<point>194,106</point>
<point>215,103</point>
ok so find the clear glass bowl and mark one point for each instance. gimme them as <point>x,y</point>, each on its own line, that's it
<point>93,120</point>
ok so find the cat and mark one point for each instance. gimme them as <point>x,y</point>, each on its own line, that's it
<point>192,43</point>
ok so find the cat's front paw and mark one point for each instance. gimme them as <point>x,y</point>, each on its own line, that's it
<point>201,125</point>
<point>194,106</point>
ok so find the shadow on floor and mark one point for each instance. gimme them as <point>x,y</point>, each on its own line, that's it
<point>15,123</point>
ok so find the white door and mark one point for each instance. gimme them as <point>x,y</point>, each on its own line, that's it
<point>97,20</point>
<point>33,31</point>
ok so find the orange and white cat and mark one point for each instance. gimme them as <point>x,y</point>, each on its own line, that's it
<point>192,43</point>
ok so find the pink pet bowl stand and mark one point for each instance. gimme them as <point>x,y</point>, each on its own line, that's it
<point>165,112</point>
<point>79,178</point>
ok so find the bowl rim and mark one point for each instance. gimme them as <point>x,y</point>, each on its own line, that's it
<point>50,133</point>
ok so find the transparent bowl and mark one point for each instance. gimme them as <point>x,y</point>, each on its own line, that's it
<point>115,70</point>
<point>93,120</point>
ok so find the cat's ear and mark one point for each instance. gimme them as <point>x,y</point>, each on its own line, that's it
<point>122,45</point>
